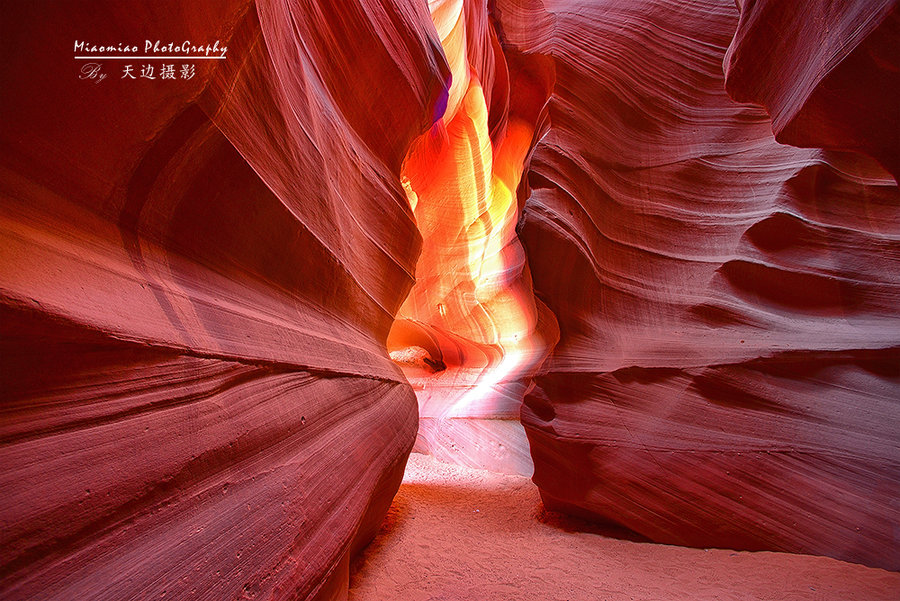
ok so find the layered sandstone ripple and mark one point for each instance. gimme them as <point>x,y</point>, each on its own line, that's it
<point>197,278</point>
<point>224,298</point>
<point>728,371</point>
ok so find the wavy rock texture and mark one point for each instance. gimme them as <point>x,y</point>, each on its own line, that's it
<point>727,371</point>
<point>198,278</point>
<point>825,71</point>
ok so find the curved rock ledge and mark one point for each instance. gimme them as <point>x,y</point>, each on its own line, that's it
<point>727,367</point>
<point>199,277</point>
<point>200,280</point>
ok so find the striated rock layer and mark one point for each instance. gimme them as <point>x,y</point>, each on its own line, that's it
<point>197,279</point>
<point>826,72</point>
<point>728,371</point>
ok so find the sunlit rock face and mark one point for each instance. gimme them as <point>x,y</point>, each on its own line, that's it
<point>197,279</point>
<point>471,310</point>
<point>727,371</point>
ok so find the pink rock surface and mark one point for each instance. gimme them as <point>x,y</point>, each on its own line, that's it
<point>825,71</point>
<point>198,277</point>
<point>727,372</point>
<point>198,280</point>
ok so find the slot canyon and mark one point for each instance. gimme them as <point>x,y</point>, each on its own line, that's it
<point>550,299</point>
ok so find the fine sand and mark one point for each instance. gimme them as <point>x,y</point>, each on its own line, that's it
<point>458,533</point>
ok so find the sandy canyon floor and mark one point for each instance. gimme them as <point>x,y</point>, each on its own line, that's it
<point>455,533</point>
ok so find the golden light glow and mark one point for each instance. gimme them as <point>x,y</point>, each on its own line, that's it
<point>471,312</point>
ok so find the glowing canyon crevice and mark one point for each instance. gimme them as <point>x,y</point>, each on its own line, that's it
<point>472,311</point>
<point>648,247</point>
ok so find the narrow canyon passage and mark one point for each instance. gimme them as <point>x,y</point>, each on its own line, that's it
<point>471,333</point>
<point>639,259</point>
<point>455,533</point>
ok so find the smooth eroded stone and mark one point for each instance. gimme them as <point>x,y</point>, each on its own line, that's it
<point>727,371</point>
<point>199,275</point>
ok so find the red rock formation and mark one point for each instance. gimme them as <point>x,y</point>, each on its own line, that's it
<point>727,372</point>
<point>198,278</point>
<point>825,71</point>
